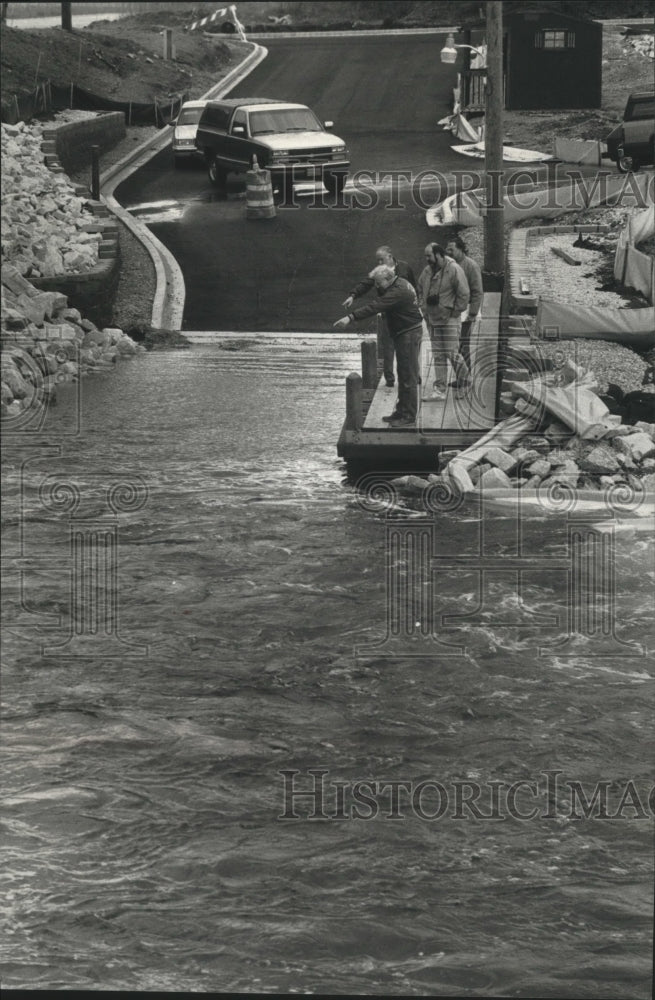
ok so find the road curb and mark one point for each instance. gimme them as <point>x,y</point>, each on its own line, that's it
<point>168,303</point>
<point>355,33</point>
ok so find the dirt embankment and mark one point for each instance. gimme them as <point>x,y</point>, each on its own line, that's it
<point>123,60</point>
<point>124,63</point>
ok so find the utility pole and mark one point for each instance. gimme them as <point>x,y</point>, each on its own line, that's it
<point>66,17</point>
<point>494,235</point>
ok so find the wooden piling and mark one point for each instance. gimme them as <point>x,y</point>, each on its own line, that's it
<point>369,364</point>
<point>354,402</point>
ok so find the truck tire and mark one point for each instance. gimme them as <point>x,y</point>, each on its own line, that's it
<point>626,164</point>
<point>217,175</point>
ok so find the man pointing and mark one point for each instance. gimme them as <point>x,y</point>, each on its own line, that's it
<point>396,299</point>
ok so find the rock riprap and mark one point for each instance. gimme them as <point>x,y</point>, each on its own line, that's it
<point>560,436</point>
<point>43,220</point>
<point>45,342</point>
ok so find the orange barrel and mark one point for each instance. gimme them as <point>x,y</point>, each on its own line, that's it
<point>259,195</point>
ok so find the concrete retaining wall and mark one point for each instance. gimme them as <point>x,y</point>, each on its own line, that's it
<point>92,292</point>
<point>73,140</point>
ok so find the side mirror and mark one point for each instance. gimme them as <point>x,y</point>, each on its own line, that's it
<point>173,122</point>
<point>329,124</point>
<point>239,130</point>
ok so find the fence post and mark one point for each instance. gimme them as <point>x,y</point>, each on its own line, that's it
<point>652,281</point>
<point>95,173</point>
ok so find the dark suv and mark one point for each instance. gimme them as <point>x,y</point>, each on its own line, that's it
<point>287,139</point>
<point>631,144</point>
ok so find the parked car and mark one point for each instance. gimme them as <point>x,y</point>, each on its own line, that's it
<point>287,139</point>
<point>184,134</point>
<point>632,143</point>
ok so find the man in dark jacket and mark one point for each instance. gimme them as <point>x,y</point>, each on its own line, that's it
<point>396,300</point>
<point>384,255</point>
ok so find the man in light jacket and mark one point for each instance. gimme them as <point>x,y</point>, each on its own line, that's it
<point>383,255</point>
<point>396,299</point>
<point>456,248</point>
<point>444,294</point>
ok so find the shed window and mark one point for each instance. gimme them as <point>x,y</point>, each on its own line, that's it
<point>548,39</point>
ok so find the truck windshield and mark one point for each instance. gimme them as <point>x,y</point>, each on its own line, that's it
<point>283,120</point>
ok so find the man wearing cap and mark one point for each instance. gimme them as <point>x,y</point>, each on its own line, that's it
<point>383,255</point>
<point>396,300</point>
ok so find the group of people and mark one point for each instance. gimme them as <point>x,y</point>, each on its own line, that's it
<point>447,296</point>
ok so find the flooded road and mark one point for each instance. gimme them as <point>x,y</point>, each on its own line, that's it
<point>237,650</point>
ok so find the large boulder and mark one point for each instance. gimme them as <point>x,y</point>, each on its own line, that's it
<point>637,446</point>
<point>600,461</point>
<point>494,479</point>
<point>541,467</point>
<point>499,458</point>
<point>456,476</point>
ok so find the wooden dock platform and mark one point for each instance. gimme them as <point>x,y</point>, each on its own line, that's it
<point>456,422</point>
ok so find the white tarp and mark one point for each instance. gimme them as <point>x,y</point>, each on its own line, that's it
<point>641,226</point>
<point>459,125</point>
<point>576,406</point>
<point>632,267</point>
<point>639,272</point>
<point>631,327</point>
<point>577,151</point>
<point>466,208</point>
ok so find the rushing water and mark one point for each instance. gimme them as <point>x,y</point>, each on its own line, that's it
<point>142,842</point>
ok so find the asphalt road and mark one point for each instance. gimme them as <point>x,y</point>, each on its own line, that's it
<point>385,95</point>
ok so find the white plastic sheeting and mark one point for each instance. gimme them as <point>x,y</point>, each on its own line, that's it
<point>466,208</point>
<point>578,151</point>
<point>632,267</point>
<point>639,272</point>
<point>631,327</point>
<point>460,126</point>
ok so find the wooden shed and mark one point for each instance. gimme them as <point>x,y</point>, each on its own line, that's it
<point>551,60</point>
